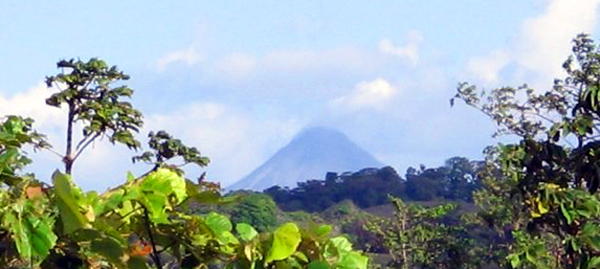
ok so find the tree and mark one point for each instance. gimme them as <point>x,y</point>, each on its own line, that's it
<point>549,179</point>
<point>85,89</point>
<point>255,209</point>
<point>417,237</point>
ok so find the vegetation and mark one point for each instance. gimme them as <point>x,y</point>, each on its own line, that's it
<point>544,188</point>
<point>418,237</point>
<point>455,180</point>
<point>144,222</point>
<point>537,199</point>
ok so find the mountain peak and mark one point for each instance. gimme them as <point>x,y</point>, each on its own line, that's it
<point>320,133</point>
<point>311,154</point>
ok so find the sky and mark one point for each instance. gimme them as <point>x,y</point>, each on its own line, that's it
<point>238,79</point>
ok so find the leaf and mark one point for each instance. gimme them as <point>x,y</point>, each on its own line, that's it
<point>246,232</point>
<point>543,207</point>
<point>166,182</point>
<point>71,217</point>
<point>42,237</point>
<point>353,260</point>
<point>515,260</point>
<point>301,256</point>
<point>218,223</point>
<point>594,263</point>
<point>342,244</point>
<point>285,241</point>
<point>109,248</point>
<point>156,203</point>
<point>20,235</point>
<point>565,213</point>
<point>130,177</point>
<point>323,230</point>
<point>33,236</point>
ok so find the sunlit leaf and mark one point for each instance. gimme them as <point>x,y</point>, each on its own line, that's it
<point>285,241</point>
<point>71,216</point>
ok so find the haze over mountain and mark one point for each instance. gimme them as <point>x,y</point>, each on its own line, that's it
<point>310,155</point>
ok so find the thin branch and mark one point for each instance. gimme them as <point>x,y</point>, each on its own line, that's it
<point>85,145</point>
<point>57,86</point>
<point>55,152</point>
<point>155,252</point>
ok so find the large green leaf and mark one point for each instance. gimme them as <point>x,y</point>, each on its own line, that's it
<point>42,237</point>
<point>166,182</point>
<point>71,217</point>
<point>285,241</point>
<point>342,244</point>
<point>323,230</point>
<point>218,223</point>
<point>156,203</point>
<point>353,260</point>
<point>246,231</point>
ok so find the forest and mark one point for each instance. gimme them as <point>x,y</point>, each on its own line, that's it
<point>531,203</point>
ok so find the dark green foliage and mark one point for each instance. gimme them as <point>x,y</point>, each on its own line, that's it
<point>15,132</point>
<point>255,209</point>
<point>370,187</point>
<point>165,147</point>
<point>420,237</point>
<point>546,192</point>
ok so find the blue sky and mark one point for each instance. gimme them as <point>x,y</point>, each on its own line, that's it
<point>238,79</point>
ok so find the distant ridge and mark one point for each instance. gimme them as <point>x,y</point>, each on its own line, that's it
<point>310,155</point>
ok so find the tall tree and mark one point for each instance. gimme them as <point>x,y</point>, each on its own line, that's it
<point>550,177</point>
<point>85,88</point>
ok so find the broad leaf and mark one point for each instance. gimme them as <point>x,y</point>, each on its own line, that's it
<point>246,232</point>
<point>72,218</point>
<point>285,241</point>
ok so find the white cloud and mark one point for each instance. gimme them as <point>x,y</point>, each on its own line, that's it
<point>190,56</point>
<point>51,121</point>
<point>545,41</point>
<point>541,46</point>
<point>237,65</point>
<point>235,142</point>
<point>410,50</point>
<point>32,103</point>
<point>368,94</point>
<point>488,67</point>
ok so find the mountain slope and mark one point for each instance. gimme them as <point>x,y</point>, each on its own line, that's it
<point>312,153</point>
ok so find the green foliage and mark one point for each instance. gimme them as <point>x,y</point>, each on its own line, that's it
<point>418,238</point>
<point>370,187</point>
<point>15,132</point>
<point>165,147</point>
<point>256,209</point>
<point>285,241</point>
<point>143,222</point>
<point>545,186</point>
<point>85,88</point>
<point>246,231</point>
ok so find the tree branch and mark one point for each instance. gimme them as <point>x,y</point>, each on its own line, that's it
<point>85,145</point>
<point>155,252</point>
